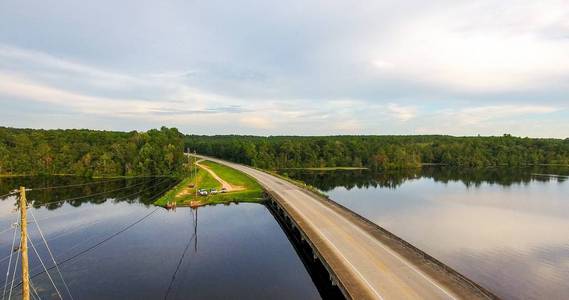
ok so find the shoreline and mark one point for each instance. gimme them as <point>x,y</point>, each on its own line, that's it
<point>239,186</point>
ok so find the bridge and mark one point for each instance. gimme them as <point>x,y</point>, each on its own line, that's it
<point>363,260</point>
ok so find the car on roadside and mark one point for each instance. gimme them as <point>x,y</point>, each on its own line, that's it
<point>202,192</point>
<point>213,191</point>
<point>223,190</point>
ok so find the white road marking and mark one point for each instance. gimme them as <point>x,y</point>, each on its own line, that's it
<point>268,179</point>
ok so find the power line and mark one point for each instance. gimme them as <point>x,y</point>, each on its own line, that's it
<point>14,273</point>
<point>88,183</point>
<point>10,261</point>
<point>116,199</point>
<point>122,197</point>
<point>10,194</point>
<point>88,240</point>
<point>109,237</point>
<point>91,195</point>
<point>5,230</point>
<point>79,184</point>
<point>44,267</point>
<point>35,294</point>
<point>50,253</point>
<point>179,264</point>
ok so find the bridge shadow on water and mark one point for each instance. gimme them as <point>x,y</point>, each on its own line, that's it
<point>317,271</point>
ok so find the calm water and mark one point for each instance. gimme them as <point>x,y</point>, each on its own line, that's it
<point>506,229</point>
<point>235,251</point>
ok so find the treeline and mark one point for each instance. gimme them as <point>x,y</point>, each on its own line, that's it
<point>382,152</point>
<point>470,177</point>
<point>91,152</point>
<point>131,190</point>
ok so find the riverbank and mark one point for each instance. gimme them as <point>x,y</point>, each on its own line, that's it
<point>29,175</point>
<point>238,187</point>
<point>328,168</point>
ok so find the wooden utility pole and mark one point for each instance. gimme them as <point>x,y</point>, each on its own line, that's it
<point>196,174</point>
<point>24,245</point>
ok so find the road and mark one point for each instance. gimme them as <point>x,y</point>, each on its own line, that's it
<point>224,184</point>
<point>368,268</point>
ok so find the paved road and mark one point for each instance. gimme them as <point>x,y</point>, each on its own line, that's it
<point>377,272</point>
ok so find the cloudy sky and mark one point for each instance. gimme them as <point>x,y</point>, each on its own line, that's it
<point>287,67</point>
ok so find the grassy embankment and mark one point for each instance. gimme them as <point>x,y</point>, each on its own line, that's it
<point>327,168</point>
<point>296,182</point>
<point>246,188</point>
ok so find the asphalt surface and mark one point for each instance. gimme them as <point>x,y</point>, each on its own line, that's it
<point>370,269</point>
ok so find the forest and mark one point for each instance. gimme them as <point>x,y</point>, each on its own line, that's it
<point>382,152</point>
<point>91,152</point>
<point>160,151</point>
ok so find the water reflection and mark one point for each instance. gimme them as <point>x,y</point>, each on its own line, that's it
<point>507,229</point>
<point>53,192</point>
<point>116,246</point>
<point>349,179</point>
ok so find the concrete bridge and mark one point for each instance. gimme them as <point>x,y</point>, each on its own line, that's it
<point>363,260</point>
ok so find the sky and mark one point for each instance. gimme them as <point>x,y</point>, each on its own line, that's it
<point>307,67</point>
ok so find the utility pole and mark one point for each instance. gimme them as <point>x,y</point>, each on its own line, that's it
<point>186,154</point>
<point>196,174</point>
<point>24,245</point>
<point>196,232</point>
<point>190,163</point>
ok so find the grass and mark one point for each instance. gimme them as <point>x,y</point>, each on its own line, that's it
<point>252,191</point>
<point>327,168</point>
<point>232,176</point>
<point>25,175</point>
<point>299,183</point>
<point>183,194</point>
<point>11,175</point>
<point>171,194</point>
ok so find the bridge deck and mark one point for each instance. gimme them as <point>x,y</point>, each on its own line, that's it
<point>366,266</point>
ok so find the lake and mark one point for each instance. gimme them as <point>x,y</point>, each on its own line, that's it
<point>507,229</point>
<point>113,244</point>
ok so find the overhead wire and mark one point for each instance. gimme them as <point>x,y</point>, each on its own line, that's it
<point>115,234</point>
<point>109,237</point>
<point>60,186</point>
<point>14,273</point>
<point>84,184</point>
<point>96,222</point>
<point>88,240</point>
<point>50,254</point>
<point>7,229</point>
<point>91,195</point>
<point>10,261</point>
<point>178,266</point>
<point>117,198</point>
<point>9,194</point>
<point>78,184</point>
<point>34,294</point>
<point>45,268</point>
<point>121,197</point>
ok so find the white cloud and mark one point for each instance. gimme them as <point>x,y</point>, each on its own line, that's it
<point>257,122</point>
<point>348,126</point>
<point>41,63</point>
<point>525,120</point>
<point>478,115</point>
<point>402,113</point>
<point>381,64</point>
<point>481,46</point>
<point>327,68</point>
